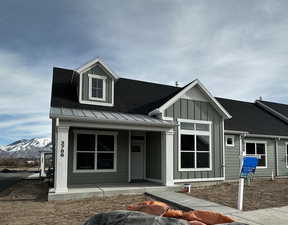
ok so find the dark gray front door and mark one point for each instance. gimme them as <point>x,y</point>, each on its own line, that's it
<point>137,160</point>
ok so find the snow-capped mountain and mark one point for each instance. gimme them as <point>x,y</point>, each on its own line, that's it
<point>26,148</point>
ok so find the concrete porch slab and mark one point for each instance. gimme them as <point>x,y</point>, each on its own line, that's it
<point>89,191</point>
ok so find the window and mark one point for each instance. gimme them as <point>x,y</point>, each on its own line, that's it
<point>230,140</point>
<point>97,87</point>
<point>194,145</point>
<point>95,151</point>
<point>257,149</point>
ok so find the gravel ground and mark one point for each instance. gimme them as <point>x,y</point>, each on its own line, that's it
<point>259,194</point>
<point>26,203</point>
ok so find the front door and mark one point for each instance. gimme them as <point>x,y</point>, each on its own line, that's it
<point>137,160</point>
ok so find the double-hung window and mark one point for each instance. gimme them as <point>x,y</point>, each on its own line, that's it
<point>95,151</point>
<point>258,149</point>
<point>194,145</point>
<point>97,87</point>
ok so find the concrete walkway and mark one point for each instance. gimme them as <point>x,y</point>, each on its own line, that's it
<point>271,216</point>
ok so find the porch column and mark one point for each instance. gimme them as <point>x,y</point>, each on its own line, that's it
<point>167,146</point>
<point>61,160</point>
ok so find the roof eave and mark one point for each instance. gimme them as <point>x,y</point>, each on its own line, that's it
<point>271,110</point>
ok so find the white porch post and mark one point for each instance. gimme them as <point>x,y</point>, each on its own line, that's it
<point>167,143</point>
<point>42,165</point>
<point>61,160</point>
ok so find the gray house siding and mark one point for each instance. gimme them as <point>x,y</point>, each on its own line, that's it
<point>266,172</point>
<point>196,110</point>
<point>153,155</point>
<point>97,70</point>
<point>283,170</point>
<point>121,175</point>
<point>232,159</point>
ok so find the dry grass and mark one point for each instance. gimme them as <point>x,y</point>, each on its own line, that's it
<point>26,203</point>
<point>259,194</point>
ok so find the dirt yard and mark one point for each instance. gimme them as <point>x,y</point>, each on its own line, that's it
<point>26,203</point>
<point>259,195</point>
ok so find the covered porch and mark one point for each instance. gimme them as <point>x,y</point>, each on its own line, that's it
<point>142,156</point>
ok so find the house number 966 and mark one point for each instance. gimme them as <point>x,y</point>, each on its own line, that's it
<point>62,149</point>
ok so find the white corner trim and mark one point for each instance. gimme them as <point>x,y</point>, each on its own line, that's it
<point>223,149</point>
<point>103,78</point>
<point>129,156</point>
<point>91,63</point>
<point>182,92</point>
<point>286,153</point>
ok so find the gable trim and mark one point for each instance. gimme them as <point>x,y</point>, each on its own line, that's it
<point>90,64</point>
<point>172,100</point>
<point>271,110</point>
<point>82,70</point>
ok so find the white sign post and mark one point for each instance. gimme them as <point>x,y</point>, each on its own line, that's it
<point>241,180</point>
<point>240,194</point>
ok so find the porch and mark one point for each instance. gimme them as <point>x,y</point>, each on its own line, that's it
<point>104,190</point>
<point>93,155</point>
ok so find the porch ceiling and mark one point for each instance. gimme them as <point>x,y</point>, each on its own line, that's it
<point>108,117</point>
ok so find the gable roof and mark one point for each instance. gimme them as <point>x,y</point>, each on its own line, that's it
<point>91,63</point>
<point>249,117</point>
<point>277,109</point>
<point>178,95</point>
<point>131,96</point>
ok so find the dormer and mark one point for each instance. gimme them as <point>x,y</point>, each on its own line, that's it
<point>96,86</point>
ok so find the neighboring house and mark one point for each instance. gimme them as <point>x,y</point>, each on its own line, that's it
<point>108,129</point>
<point>256,132</point>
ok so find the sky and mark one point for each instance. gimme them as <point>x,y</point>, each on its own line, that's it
<point>238,49</point>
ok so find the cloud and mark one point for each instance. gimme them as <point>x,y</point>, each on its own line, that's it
<point>238,49</point>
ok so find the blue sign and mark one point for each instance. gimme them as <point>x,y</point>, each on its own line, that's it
<point>249,165</point>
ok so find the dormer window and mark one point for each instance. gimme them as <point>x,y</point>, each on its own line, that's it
<point>97,87</point>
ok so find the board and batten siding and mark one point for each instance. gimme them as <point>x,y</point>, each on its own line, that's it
<point>97,70</point>
<point>232,159</point>
<point>198,110</point>
<point>153,155</point>
<point>121,175</point>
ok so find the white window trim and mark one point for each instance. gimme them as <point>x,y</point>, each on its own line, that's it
<point>233,140</point>
<point>112,133</point>
<point>103,78</point>
<point>286,154</point>
<point>194,132</point>
<point>258,142</point>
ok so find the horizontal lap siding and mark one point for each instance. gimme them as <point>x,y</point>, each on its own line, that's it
<point>266,172</point>
<point>153,155</point>
<point>232,159</point>
<point>196,110</point>
<point>283,170</point>
<point>101,177</point>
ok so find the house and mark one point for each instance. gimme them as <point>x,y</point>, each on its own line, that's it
<point>111,130</point>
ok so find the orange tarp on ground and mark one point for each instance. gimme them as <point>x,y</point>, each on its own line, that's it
<point>197,217</point>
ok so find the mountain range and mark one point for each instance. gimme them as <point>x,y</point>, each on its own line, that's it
<point>26,148</point>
